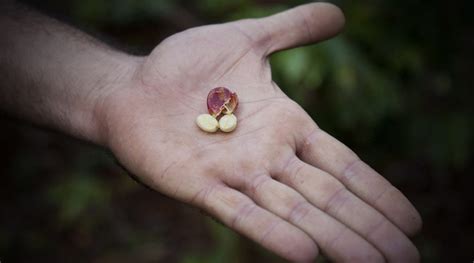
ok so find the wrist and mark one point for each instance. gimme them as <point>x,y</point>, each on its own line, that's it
<point>117,74</point>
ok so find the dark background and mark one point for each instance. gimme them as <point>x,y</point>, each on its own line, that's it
<point>395,86</point>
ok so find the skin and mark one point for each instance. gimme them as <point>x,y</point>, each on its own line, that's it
<point>278,178</point>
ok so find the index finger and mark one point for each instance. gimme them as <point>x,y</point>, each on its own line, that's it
<point>325,152</point>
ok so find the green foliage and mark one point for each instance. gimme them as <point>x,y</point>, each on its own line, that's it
<point>225,249</point>
<point>119,12</point>
<point>77,195</point>
<point>227,245</point>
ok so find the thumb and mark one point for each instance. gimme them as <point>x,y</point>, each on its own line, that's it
<point>302,25</point>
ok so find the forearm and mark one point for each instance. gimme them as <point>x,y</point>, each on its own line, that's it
<point>54,75</point>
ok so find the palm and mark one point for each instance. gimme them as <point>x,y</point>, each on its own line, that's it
<point>178,97</point>
<point>185,73</point>
<point>266,179</point>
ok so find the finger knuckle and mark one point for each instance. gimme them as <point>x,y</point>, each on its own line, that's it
<point>298,211</point>
<point>244,210</point>
<point>336,200</point>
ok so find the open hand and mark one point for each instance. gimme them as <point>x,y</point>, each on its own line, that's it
<point>278,178</point>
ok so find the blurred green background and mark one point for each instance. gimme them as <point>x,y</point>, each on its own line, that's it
<point>395,86</point>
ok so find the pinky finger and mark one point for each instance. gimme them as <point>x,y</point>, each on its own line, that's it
<point>240,213</point>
